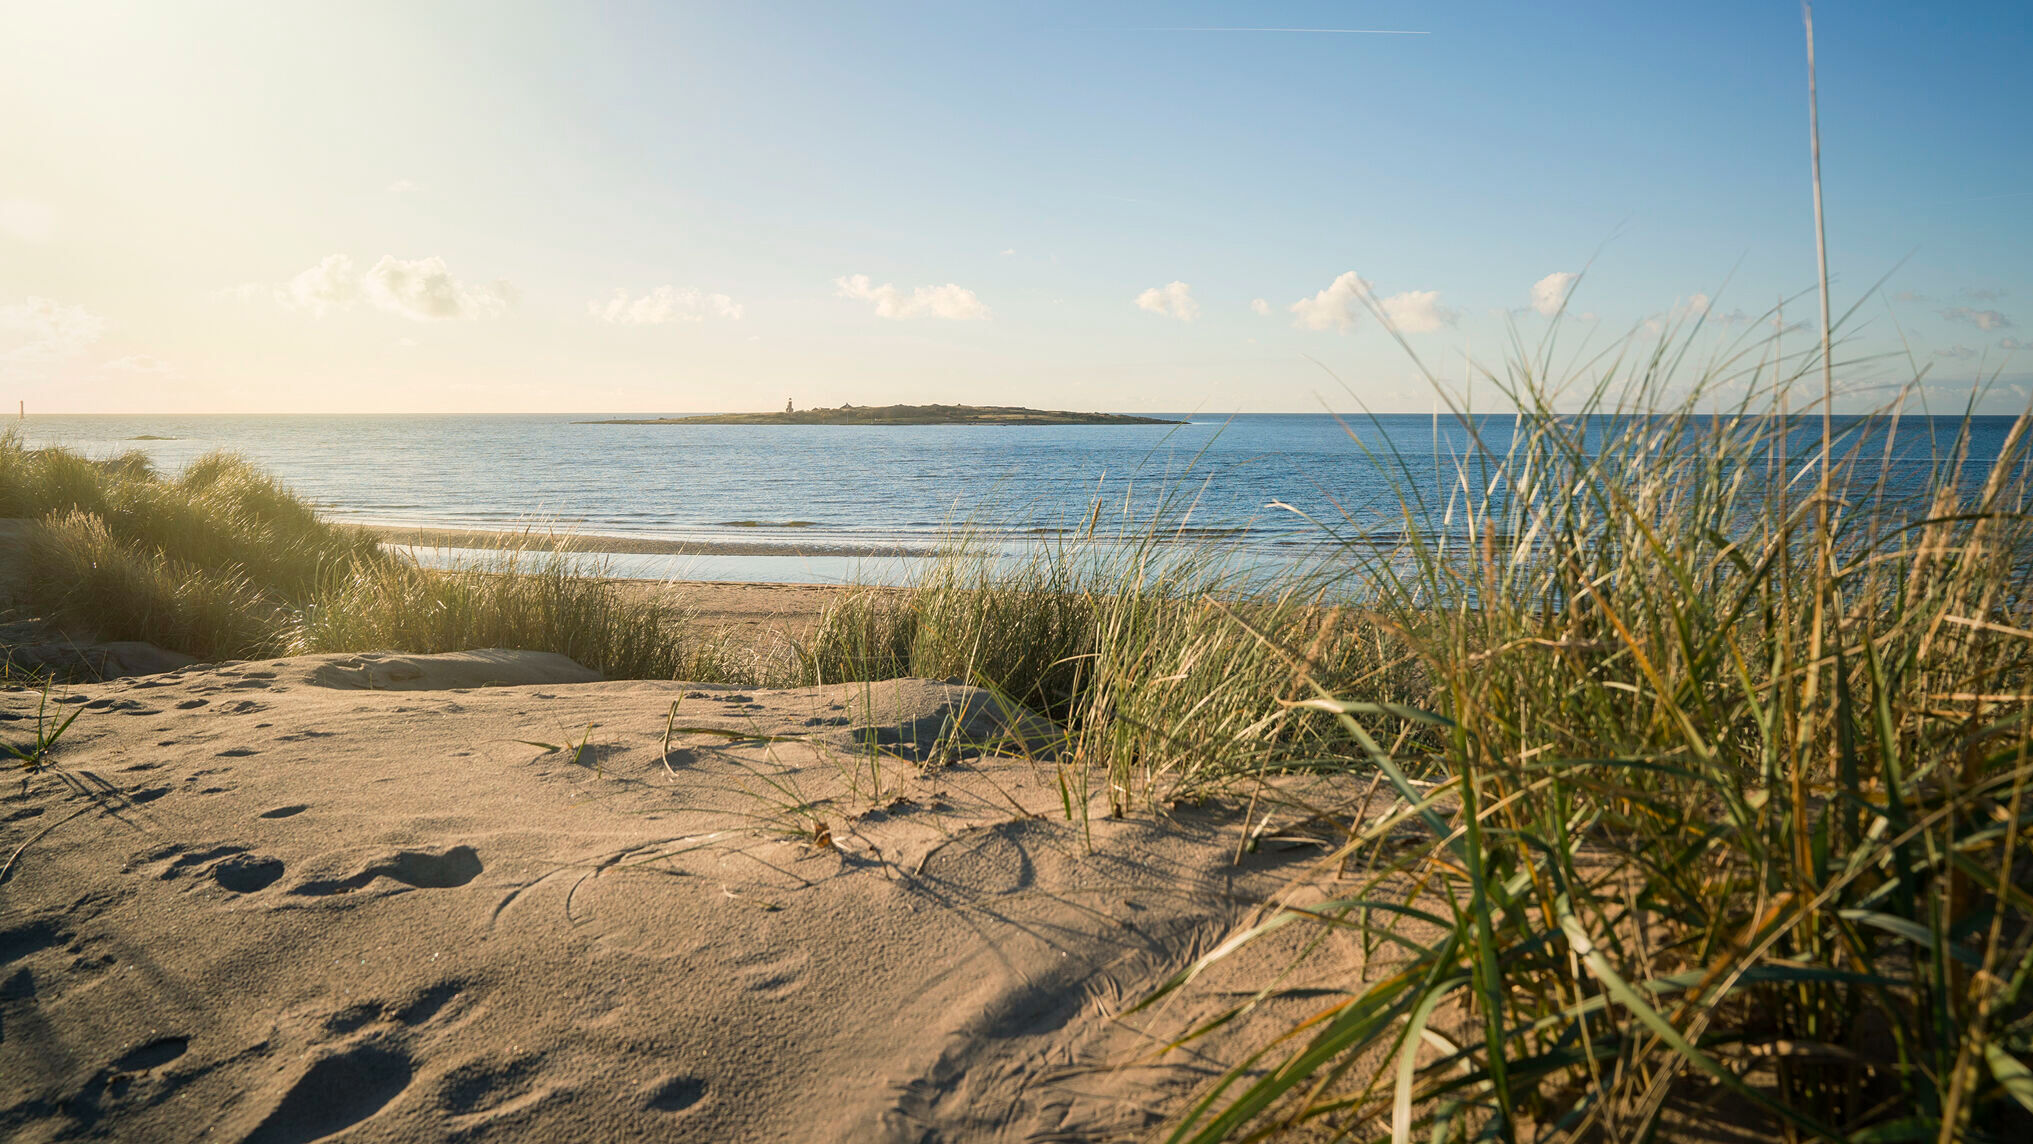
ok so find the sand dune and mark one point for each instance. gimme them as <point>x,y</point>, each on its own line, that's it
<point>363,895</point>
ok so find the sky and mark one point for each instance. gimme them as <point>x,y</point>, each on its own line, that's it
<point>1195,207</point>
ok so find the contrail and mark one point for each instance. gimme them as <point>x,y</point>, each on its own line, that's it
<point>1317,31</point>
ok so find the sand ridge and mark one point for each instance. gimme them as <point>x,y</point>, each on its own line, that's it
<point>414,898</point>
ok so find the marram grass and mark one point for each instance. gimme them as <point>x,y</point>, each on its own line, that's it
<point>222,562</point>
<point>1725,815</point>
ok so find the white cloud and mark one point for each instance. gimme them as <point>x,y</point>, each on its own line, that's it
<point>950,301</point>
<point>424,290</point>
<point>1260,308</point>
<point>1550,293</point>
<point>662,305</point>
<point>1417,311</point>
<point>1347,297</point>
<point>2015,344</point>
<point>421,289</point>
<point>1959,353</point>
<point>1695,305</point>
<point>1981,319</point>
<point>1009,250</point>
<point>1173,300</point>
<point>401,187</point>
<point>39,332</point>
<point>330,285</point>
<point>1335,308</point>
<point>27,221</point>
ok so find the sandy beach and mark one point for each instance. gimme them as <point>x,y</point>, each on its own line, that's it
<point>475,896</point>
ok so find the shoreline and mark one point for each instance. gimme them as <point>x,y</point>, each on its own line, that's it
<point>425,537</point>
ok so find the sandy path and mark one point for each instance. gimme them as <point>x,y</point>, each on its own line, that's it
<point>278,901</point>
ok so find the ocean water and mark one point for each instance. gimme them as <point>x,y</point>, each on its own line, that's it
<point>820,503</point>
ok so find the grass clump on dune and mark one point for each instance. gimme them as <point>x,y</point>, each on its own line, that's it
<point>222,561</point>
<point>531,597</point>
<point>87,575</point>
<point>1169,663</point>
<point>210,562</point>
<point>1715,804</point>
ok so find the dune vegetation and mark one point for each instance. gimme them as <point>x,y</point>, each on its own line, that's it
<point>221,562</point>
<point>1712,761</point>
<point>1711,752</point>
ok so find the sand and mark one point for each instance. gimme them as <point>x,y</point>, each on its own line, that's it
<point>747,611</point>
<point>570,541</point>
<point>405,898</point>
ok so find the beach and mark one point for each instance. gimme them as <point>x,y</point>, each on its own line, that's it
<point>488,895</point>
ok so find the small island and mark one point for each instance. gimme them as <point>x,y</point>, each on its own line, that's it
<point>899,415</point>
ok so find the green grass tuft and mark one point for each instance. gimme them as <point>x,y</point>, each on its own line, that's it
<point>531,598</point>
<point>1715,802</point>
<point>222,561</point>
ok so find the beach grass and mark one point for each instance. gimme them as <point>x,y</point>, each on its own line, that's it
<point>32,755</point>
<point>528,594</point>
<point>221,561</point>
<point>1717,789</point>
<point>1711,750</point>
<point>1151,652</point>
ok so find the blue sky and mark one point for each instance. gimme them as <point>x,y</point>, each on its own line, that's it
<point>714,206</point>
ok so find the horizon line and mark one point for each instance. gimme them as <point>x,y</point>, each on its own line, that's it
<point>1317,31</point>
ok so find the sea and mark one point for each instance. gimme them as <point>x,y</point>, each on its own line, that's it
<point>829,504</point>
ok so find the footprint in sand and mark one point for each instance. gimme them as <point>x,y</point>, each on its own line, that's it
<point>117,1080</point>
<point>676,1094</point>
<point>335,1093</point>
<point>248,873</point>
<point>429,1003</point>
<point>123,706</point>
<point>284,811</point>
<point>352,1017</point>
<point>153,1055</point>
<point>418,869</point>
<point>232,867</point>
<point>774,977</point>
<point>492,1088</point>
<point>419,1009</point>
